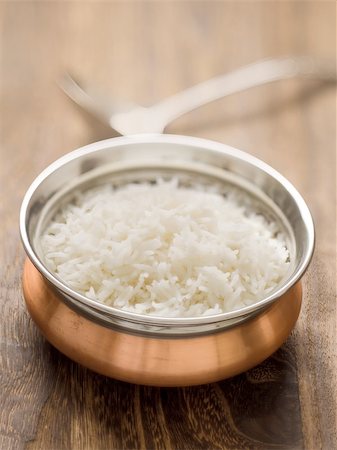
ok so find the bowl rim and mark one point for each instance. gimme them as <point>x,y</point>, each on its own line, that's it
<point>203,144</point>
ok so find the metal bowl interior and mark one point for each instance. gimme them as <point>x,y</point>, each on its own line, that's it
<point>145,157</point>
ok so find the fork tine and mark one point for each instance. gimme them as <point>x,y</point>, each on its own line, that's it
<point>97,105</point>
<point>72,88</point>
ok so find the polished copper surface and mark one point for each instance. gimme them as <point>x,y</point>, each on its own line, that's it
<point>157,361</point>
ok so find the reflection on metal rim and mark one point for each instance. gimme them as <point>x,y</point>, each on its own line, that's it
<point>209,160</point>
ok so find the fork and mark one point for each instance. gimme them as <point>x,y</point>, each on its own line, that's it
<point>130,118</point>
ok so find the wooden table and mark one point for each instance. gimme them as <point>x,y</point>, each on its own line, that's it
<point>144,52</point>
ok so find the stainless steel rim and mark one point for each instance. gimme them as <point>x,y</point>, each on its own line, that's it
<point>95,308</point>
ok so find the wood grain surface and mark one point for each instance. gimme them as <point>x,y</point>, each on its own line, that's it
<point>144,51</point>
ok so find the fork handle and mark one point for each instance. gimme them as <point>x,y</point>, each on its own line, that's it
<point>255,74</point>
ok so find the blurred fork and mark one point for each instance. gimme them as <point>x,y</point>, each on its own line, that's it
<point>130,118</point>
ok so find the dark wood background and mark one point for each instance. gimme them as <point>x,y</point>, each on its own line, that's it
<point>145,51</point>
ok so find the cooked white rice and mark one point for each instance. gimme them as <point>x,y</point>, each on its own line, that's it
<point>165,250</point>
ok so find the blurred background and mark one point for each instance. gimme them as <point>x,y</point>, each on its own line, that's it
<point>145,51</point>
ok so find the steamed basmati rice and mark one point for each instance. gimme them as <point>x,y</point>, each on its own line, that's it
<point>165,250</point>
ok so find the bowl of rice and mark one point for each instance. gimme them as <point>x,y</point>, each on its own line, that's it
<point>164,260</point>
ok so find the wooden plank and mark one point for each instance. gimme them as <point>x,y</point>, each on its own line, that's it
<point>144,51</point>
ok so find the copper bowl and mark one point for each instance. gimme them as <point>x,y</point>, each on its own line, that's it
<point>156,350</point>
